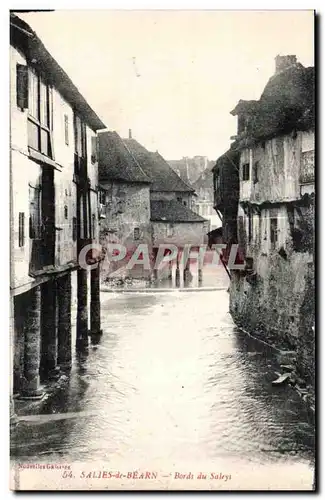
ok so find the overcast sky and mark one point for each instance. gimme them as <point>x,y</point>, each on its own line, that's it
<point>173,76</point>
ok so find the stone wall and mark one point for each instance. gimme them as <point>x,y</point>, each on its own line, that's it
<point>127,221</point>
<point>278,305</point>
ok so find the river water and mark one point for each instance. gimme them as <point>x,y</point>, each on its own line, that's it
<point>173,388</point>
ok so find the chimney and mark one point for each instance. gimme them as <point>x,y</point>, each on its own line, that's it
<point>284,62</point>
<point>130,133</point>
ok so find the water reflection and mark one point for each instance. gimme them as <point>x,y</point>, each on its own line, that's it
<point>172,380</point>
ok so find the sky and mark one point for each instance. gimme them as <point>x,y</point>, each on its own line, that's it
<point>173,76</point>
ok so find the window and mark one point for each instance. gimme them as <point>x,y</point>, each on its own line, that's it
<point>65,211</point>
<point>273,232</point>
<point>66,129</point>
<point>184,203</point>
<point>22,86</point>
<point>39,114</point>
<point>94,149</point>
<point>80,137</point>
<point>250,226</point>
<point>74,228</point>
<point>35,213</point>
<point>93,227</point>
<point>245,168</point>
<point>179,199</point>
<point>255,172</point>
<point>102,197</point>
<point>121,204</point>
<point>21,229</point>
<point>136,233</point>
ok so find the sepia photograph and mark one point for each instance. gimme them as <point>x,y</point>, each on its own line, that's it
<point>162,250</point>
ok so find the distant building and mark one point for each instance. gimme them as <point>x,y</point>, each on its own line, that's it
<point>190,169</point>
<point>204,200</point>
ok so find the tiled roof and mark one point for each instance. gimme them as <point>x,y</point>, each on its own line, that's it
<point>162,176</point>
<point>172,211</point>
<point>116,162</point>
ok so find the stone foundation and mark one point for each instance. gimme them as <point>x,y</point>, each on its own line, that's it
<point>279,306</point>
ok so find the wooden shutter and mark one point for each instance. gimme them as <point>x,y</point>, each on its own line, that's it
<point>34,212</point>
<point>22,86</point>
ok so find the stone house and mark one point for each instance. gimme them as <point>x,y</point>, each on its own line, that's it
<point>171,200</point>
<point>124,195</point>
<point>274,199</point>
<point>53,213</point>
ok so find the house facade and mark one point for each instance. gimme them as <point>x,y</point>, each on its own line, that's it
<point>274,183</point>
<point>53,213</point>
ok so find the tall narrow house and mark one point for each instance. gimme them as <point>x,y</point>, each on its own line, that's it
<point>54,213</point>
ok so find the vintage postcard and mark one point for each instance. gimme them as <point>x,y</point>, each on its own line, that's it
<point>162,196</point>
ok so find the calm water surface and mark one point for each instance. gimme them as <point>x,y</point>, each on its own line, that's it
<point>174,386</point>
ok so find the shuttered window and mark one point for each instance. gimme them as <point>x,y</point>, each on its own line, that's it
<point>34,212</point>
<point>22,86</point>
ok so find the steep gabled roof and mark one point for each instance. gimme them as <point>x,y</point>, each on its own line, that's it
<point>25,39</point>
<point>287,103</point>
<point>162,176</point>
<point>172,211</point>
<point>116,162</point>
